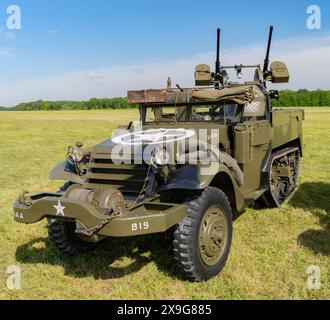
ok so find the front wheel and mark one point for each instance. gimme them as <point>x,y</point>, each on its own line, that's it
<point>202,241</point>
<point>62,235</point>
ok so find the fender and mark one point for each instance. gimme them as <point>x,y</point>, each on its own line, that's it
<point>65,171</point>
<point>240,201</point>
<point>189,178</point>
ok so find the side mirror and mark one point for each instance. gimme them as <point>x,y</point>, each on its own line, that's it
<point>203,75</point>
<point>279,72</point>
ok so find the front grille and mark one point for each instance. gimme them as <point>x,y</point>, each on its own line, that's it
<point>127,178</point>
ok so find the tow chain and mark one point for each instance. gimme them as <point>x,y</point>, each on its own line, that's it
<point>110,216</point>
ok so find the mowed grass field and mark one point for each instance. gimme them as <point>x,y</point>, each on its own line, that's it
<point>271,252</point>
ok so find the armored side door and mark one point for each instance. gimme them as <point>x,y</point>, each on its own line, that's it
<point>252,140</point>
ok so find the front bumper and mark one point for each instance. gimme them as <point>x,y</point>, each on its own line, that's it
<point>146,218</point>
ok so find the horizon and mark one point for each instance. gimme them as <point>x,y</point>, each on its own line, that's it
<point>117,97</point>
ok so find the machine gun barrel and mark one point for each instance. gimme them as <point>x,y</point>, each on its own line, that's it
<point>266,65</point>
<point>218,64</point>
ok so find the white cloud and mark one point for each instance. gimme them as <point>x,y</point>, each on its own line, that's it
<point>307,58</point>
<point>94,75</point>
<point>10,35</point>
<point>4,51</point>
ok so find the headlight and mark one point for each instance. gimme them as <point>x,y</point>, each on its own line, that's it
<point>75,155</point>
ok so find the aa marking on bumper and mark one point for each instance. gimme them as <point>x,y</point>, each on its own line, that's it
<point>18,216</point>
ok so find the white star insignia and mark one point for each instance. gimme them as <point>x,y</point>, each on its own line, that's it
<point>59,209</point>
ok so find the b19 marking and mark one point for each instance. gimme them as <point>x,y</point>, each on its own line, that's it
<point>142,226</point>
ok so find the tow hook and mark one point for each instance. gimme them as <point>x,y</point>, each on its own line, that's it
<point>25,199</point>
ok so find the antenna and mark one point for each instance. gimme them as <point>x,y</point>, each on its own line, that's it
<point>266,65</point>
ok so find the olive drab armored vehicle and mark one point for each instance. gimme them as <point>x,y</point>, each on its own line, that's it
<point>198,156</point>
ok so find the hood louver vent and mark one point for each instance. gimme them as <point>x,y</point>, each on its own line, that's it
<point>127,178</point>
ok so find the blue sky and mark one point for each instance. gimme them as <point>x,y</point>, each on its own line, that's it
<point>61,37</point>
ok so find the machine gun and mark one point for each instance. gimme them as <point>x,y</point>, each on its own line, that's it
<point>278,72</point>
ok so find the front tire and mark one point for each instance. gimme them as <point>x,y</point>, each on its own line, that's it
<point>62,235</point>
<point>202,241</point>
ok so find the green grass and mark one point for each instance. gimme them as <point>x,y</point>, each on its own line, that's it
<point>271,251</point>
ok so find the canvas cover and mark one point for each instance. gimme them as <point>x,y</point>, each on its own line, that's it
<point>237,94</point>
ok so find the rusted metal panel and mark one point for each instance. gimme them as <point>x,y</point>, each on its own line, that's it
<point>147,96</point>
<point>160,96</point>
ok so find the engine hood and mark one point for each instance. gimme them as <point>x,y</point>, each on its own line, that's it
<point>136,142</point>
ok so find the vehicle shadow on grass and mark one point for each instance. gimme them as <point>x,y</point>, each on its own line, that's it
<point>315,197</point>
<point>107,261</point>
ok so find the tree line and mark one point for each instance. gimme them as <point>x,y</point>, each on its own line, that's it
<point>92,104</point>
<point>303,98</point>
<point>288,98</point>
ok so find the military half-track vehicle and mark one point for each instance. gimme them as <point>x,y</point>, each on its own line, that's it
<point>197,157</point>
